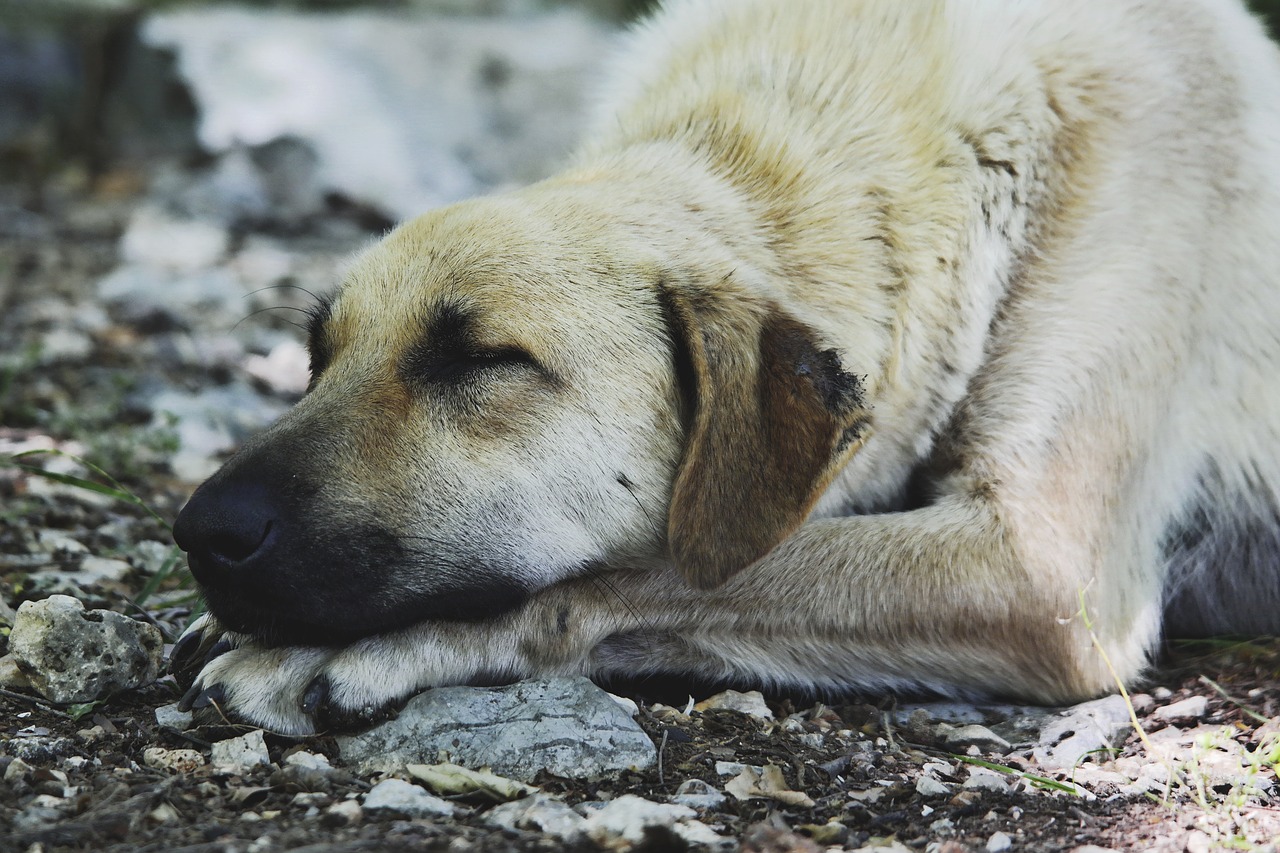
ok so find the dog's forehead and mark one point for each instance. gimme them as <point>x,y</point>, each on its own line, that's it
<point>499,277</point>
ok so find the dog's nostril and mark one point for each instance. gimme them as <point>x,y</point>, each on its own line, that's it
<point>238,546</point>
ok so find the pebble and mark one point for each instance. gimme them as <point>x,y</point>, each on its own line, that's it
<point>539,812</point>
<point>629,816</point>
<point>751,703</point>
<point>240,754</point>
<point>1082,731</point>
<point>73,655</point>
<point>983,779</point>
<point>343,813</point>
<point>927,786</point>
<point>1182,713</point>
<point>175,760</point>
<point>999,842</point>
<point>960,738</point>
<point>170,716</point>
<point>405,799</point>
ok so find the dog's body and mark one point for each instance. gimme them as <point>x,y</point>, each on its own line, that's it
<point>862,345</point>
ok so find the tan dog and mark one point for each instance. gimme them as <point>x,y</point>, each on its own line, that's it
<point>861,345</point>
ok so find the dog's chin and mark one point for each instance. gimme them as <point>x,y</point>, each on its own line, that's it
<point>312,624</point>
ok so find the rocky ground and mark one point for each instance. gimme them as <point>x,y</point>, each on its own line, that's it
<point>147,325</point>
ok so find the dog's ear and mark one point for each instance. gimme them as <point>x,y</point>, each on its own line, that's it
<point>773,417</point>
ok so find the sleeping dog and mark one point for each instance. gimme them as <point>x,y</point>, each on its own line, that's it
<point>912,346</point>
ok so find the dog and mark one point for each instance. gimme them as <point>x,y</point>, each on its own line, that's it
<point>926,346</point>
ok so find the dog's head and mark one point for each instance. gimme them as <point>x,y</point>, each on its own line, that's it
<point>508,393</point>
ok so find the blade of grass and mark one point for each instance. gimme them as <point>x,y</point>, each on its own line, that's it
<point>1038,781</point>
<point>114,490</point>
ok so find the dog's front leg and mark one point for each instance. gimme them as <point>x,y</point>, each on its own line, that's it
<point>945,598</point>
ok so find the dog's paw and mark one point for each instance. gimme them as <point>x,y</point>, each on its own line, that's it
<point>301,690</point>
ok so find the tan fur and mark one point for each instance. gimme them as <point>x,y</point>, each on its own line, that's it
<point>865,342</point>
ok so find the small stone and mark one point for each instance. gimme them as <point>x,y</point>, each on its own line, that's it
<point>1143,703</point>
<point>628,817</point>
<point>539,813</point>
<point>174,760</point>
<point>163,813</point>
<point>999,842</point>
<point>343,813</point>
<point>11,677</point>
<point>1082,731</point>
<point>566,726</point>
<point>982,779</point>
<point>960,738</point>
<point>927,786</point>
<point>169,716</point>
<point>240,754</point>
<point>16,770</point>
<point>751,703</point>
<point>1160,694</point>
<point>697,794</point>
<point>404,799</point>
<point>73,655</point>
<point>308,760</point>
<point>1185,712</point>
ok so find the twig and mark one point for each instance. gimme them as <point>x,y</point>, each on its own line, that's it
<point>39,703</point>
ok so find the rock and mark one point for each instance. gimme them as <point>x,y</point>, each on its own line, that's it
<point>1078,732</point>
<point>927,786</point>
<point>1182,713</point>
<point>982,779</point>
<point>74,655</point>
<point>630,817</point>
<point>156,238</point>
<point>343,813</point>
<point>240,754</point>
<point>751,702</point>
<point>170,716</point>
<point>405,799</point>
<point>212,422</point>
<point>452,105</point>
<point>539,813</point>
<point>11,676</point>
<point>959,739</point>
<point>999,842</point>
<point>697,794</point>
<point>175,760</point>
<point>309,761</point>
<point>566,726</point>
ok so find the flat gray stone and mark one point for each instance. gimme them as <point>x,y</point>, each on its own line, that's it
<point>75,655</point>
<point>240,754</point>
<point>1181,713</point>
<point>566,726</point>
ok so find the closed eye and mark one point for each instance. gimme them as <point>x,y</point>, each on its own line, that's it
<point>458,366</point>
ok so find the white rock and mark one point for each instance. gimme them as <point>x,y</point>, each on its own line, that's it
<point>1189,710</point>
<point>74,655</point>
<point>1081,731</point>
<point>309,760</point>
<point>627,817</point>
<point>398,797</point>
<point>240,754</point>
<point>982,779</point>
<point>541,813</point>
<point>999,842</point>
<point>348,811</point>
<point>169,715</point>
<point>960,738</point>
<point>927,786</point>
<point>566,726</point>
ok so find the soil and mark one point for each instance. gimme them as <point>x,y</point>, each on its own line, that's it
<point>57,243</point>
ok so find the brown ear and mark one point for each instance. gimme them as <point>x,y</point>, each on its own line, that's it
<point>774,418</point>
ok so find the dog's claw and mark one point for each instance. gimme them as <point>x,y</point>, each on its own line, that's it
<point>215,696</point>
<point>218,649</point>
<point>185,649</point>
<point>316,694</point>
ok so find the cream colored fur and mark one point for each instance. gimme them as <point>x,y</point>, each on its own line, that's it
<point>1044,235</point>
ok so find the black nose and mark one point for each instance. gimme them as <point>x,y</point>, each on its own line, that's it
<point>227,529</point>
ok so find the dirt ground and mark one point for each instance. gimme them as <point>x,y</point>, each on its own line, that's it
<point>76,779</point>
